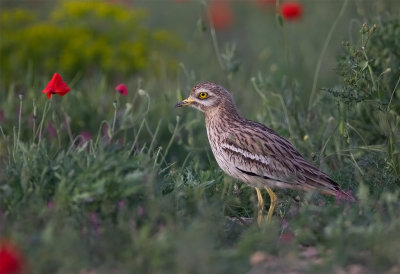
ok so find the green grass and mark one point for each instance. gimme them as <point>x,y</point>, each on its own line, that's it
<point>148,197</point>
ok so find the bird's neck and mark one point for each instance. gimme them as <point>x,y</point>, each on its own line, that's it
<point>221,116</point>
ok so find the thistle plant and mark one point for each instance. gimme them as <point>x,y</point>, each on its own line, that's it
<point>370,78</point>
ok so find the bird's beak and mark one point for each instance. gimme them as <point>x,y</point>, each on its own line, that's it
<point>185,102</point>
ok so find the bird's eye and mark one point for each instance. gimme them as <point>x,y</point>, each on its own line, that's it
<point>203,95</point>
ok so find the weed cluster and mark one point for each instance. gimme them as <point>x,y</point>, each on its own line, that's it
<point>368,97</point>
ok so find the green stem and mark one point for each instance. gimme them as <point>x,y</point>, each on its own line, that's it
<point>46,107</point>
<point>172,139</point>
<point>153,140</point>
<point>286,48</point>
<point>34,119</point>
<point>19,119</point>
<point>324,48</point>
<point>213,36</point>
<point>115,118</point>
<point>99,132</point>
<point>2,132</point>
<point>287,52</point>
<point>391,152</point>
<point>371,73</point>
<point>136,138</point>
<point>394,90</point>
<point>285,37</point>
<point>264,99</point>
<point>69,131</point>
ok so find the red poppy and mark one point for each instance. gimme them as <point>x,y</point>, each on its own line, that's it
<point>221,14</point>
<point>291,10</point>
<point>56,86</point>
<point>11,260</point>
<point>121,88</point>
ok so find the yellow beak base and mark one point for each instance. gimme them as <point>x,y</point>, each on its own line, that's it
<point>185,102</point>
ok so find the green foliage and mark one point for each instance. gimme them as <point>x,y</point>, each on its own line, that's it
<point>110,210</point>
<point>82,36</point>
<point>142,193</point>
<point>368,99</point>
<point>369,70</point>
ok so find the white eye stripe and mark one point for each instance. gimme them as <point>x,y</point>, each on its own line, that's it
<point>200,90</point>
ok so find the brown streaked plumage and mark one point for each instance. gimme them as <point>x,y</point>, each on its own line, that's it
<point>251,152</point>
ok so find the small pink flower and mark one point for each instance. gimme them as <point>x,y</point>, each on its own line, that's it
<point>121,88</point>
<point>83,138</point>
<point>86,136</point>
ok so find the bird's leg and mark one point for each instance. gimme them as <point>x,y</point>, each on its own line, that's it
<point>260,206</point>
<point>273,199</point>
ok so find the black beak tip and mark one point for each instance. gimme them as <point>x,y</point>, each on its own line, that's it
<point>178,105</point>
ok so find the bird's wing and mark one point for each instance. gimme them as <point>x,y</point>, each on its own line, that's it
<point>263,154</point>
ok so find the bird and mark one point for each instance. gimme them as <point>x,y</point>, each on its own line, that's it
<point>252,152</point>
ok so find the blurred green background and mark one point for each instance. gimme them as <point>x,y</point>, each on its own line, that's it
<point>96,182</point>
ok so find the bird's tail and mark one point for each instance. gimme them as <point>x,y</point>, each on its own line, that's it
<point>341,195</point>
<point>326,185</point>
<point>345,195</point>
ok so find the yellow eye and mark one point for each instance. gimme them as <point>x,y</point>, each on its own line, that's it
<point>203,95</point>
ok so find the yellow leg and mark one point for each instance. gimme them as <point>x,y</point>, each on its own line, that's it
<point>260,206</point>
<point>273,199</point>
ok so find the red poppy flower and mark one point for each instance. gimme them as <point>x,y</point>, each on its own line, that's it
<point>221,14</point>
<point>56,86</point>
<point>291,10</point>
<point>121,88</point>
<point>11,261</point>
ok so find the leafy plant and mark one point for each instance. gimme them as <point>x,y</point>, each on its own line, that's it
<point>368,70</point>
<point>368,98</point>
<point>86,37</point>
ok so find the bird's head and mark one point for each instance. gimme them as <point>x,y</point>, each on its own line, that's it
<point>208,97</point>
